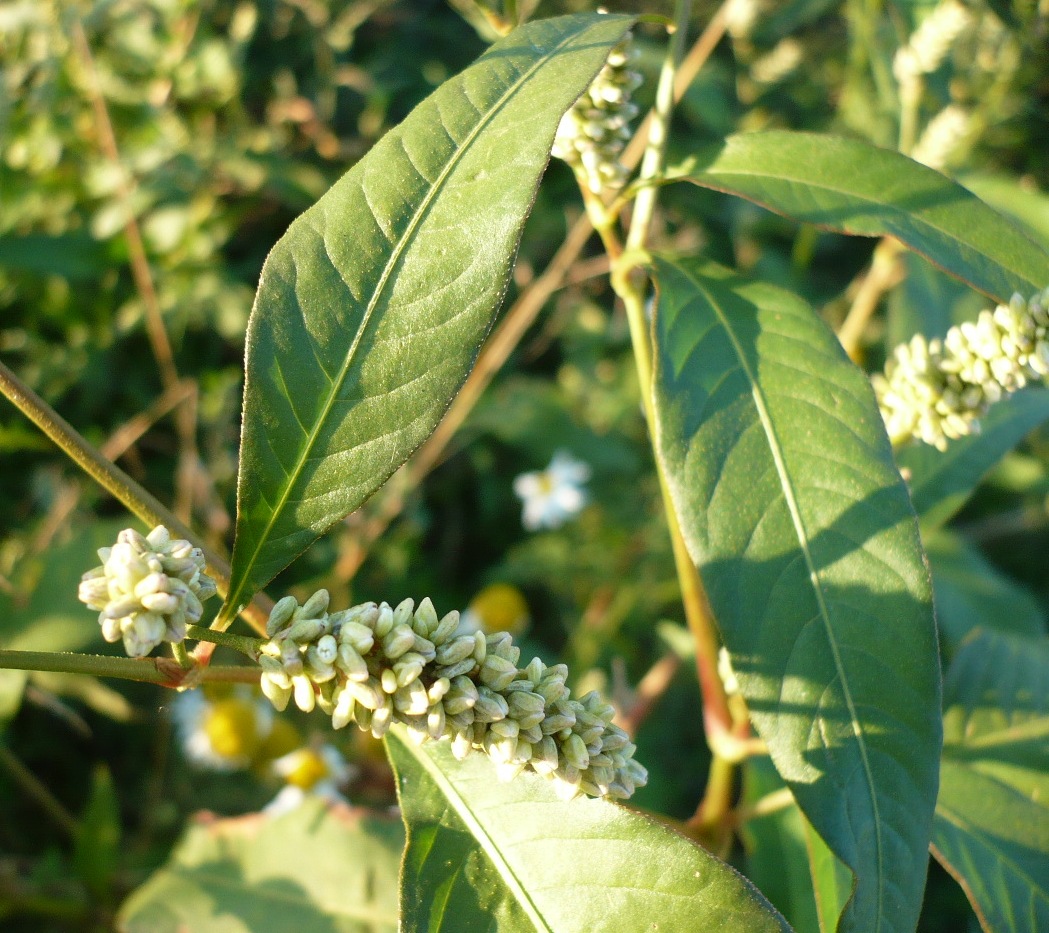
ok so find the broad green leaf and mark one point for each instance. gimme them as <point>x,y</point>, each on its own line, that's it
<point>482,855</point>
<point>941,481</point>
<point>831,880</point>
<point>782,478</point>
<point>992,819</point>
<point>1014,199</point>
<point>371,308</point>
<point>777,861</point>
<point>852,187</point>
<point>970,593</point>
<point>316,869</point>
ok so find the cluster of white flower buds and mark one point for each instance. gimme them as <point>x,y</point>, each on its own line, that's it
<point>592,134</point>
<point>147,590</point>
<point>929,44</point>
<point>377,664</point>
<point>936,390</point>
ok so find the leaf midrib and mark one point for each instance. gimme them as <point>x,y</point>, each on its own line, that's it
<point>480,834</point>
<point>395,255</point>
<point>790,497</point>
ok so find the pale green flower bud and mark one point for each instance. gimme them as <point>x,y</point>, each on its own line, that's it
<point>279,694</point>
<point>446,628</point>
<point>398,641</point>
<point>425,617</point>
<point>280,615</point>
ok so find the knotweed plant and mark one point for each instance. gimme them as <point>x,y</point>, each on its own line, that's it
<point>735,502</point>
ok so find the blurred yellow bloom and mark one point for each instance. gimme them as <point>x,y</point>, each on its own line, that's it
<point>500,607</point>
<point>224,731</point>
<point>317,770</point>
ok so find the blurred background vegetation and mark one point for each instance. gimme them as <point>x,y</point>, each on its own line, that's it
<point>151,153</point>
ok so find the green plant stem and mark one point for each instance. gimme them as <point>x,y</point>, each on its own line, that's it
<point>157,670</point>
<point>246,645</point>
<point>631,284</point>
<point>34,788</point>
<point>658,131</point>
<point>116,482</point>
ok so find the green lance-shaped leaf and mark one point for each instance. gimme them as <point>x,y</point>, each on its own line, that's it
<point>482,855</point>
<point>371,308</point>
<point>850,186</point>
<point>971,593</point>
<point>992,819</point>
<point>942,480</point>
<point>316,869</point>
<point>789,502</point>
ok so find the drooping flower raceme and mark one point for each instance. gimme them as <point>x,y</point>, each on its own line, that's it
<point>147,589</point>
<point>936,390</point>
<point>553,495</point>
<point>377,664</point>
<point>592,134</point>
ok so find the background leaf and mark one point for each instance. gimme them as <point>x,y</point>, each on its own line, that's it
<point>790,504</point>
<point>853,187</point>
<point>486,855</point>
<point>971,593</point>
<point>316,869</point>
<point>43,613</point>
<point>777,861</point>
<point>942,481</point>
<point>992,819</point>
<point>371,308</point>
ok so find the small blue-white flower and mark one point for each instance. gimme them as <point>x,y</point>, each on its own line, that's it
<point>554,495</point>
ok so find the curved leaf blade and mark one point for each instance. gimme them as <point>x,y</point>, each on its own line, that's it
<point>850,186</point>
<point>942,481</point>
<point>971,593</point>
<point>484,855</point>
<point>992,819</point>
<point>789,502</point>
<point>316,869</point>
<point>371,308</point>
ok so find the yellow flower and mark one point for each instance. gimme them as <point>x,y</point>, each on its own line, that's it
<point>500,607</point>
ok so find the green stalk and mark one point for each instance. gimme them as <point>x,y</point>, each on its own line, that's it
<point>157,670</point>
<point>725,736</point>
<point>116,482</point>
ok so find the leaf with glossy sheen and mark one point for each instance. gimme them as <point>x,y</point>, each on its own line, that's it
<point>316,869</point>
<point>942,481</point>
<point>371,308</point>
<point>789,502</point>
<point>850,186</point>
<point>992,819</point>
<point>482,855</point>
<point>971,593</point>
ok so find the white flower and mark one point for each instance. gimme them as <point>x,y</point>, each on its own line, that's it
<point>309,772</point>
<point>554,495</point>
<point>222,734</point>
